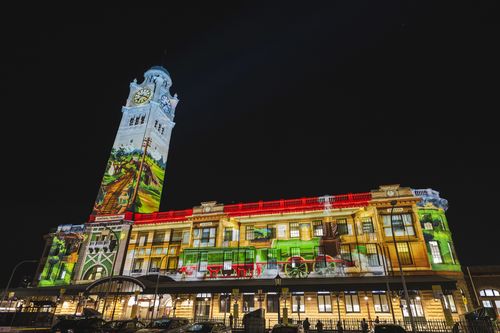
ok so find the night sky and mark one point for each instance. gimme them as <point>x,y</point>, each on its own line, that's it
<point>275,102</point>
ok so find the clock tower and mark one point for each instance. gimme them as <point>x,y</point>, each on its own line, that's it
<point>135,173</point>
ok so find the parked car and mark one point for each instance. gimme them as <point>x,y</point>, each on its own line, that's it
<point>388,328</point>
<point>207,327</point>
<point>79,325</point>
<point>123,326</point>
<point>288,328</point>
<point>167,325</point>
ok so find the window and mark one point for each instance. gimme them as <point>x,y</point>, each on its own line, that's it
<point>225,303</point>
<point>487,304</point>
<point>154,266</point>
<point>142,119</point>
<point>273,303</point>
<point>204,237</point>
<point>372,255</point>
<point>159,237</point>
<point>342,227</point>
<point>228,260</point>
<point>272,258</point>
<point>489,292</point>
<point>298,302</point>
<point>62,272</point>
<point>318,228</point>
<point>143,238</point>
<point>436,253</point>
<point>452,256</point>
<point>136,121</point>
<point>380,302</point>
<point>416,307</point>
<point>94,273</point>
<point>131,122</point>
<point>351,302</point>
<point>176,236</point>
<point>367,225</point>
<point>248,302</point>
<point>404,253</point>
<point>449,303</point>
<point>185,237</point>
<point>156,123</point>
<point>324,302</point>
<point>402,224</point>
<point>345,252</point>
<point>294,230</point>
<point>228,234</point>
<point>137,266</point>
<point>249,233</point>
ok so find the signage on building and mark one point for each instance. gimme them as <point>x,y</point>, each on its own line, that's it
<point>107,218</point>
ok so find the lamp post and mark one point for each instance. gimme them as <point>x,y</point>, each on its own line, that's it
<point>403,281</point>
<point>12,275</point>
<point>156,286</point>
<point>110,281</point>
<point>386,273</point>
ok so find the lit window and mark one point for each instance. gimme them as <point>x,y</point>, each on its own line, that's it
<point>367,224</point>
<point>273,303</point>
<point>248,302</point>
<point>489,292</point>
<point>351,302</point>
<point>318,228</point>
<point>449,303</point>
<point>380,302</point>
<point>298,302</point>
<point>416,307</point>
<point>402,224</point>
<point>324,302</point>
<point>436,253</point>
<point>345,252</point>
<point>450,250</point>
<point>372,255</point>
<point>404,253</point>
<point>250,235</point>
<point>294,230</point>
<point>343,227</point>
<point>487,304</point>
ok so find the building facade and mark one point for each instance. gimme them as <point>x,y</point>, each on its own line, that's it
<point>328,257</point>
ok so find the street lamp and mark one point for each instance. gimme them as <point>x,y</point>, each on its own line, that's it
<point>386,273</point>
<point>12,275</point>
<point>156,286</point>
<point>403,281</point>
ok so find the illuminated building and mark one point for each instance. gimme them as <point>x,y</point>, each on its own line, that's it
<point>326,257</point>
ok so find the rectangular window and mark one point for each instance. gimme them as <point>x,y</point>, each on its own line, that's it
<point>342,227</point>
<point>298,302</point>
<point>228,260</point>
<point>225,303</point>
<point>273,303</point>
<point>404,253</point>
<point>449,303</point>
<point>452,256</point>
<point>294,230</point>
<point>402,225</point>
<point>137,267</point>
<point>158,237</point>
<point>248,302</point>
<point>249,233</point>
<point>154,266</point>
<point>176,236</point>
<point>318,228</point>
<point>487,304</point>
<point>351,302</point>
<point>228,234</point>
<point>272,258</point>
<point>380,301</point>
<point>416,308</point>
<point>143,238</point>
<point>372,255</point>
<point>185,237</point>
<point>436,253</point>
<point>324,302</point>
<point>367,225</point>
<point>204,237</point>
<point>345,252</point>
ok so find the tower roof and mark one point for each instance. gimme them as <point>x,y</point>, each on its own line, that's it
<point>159,68</point>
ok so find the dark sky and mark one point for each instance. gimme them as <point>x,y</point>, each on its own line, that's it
<point>276,102</point>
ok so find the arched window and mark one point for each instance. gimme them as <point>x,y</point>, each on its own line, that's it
<point>95,272</point>
<point>489,292</point>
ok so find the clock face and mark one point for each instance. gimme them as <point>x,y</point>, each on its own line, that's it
<point>390,193</point>
<point>142,96</point>
<point>165,103</point>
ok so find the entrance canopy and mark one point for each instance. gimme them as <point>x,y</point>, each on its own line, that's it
<point>115,285</point>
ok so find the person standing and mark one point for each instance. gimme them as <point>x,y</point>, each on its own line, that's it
<point>377,320</point>
<point>364,326</point>
<point>319,326</point>
<point>306,324</point>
